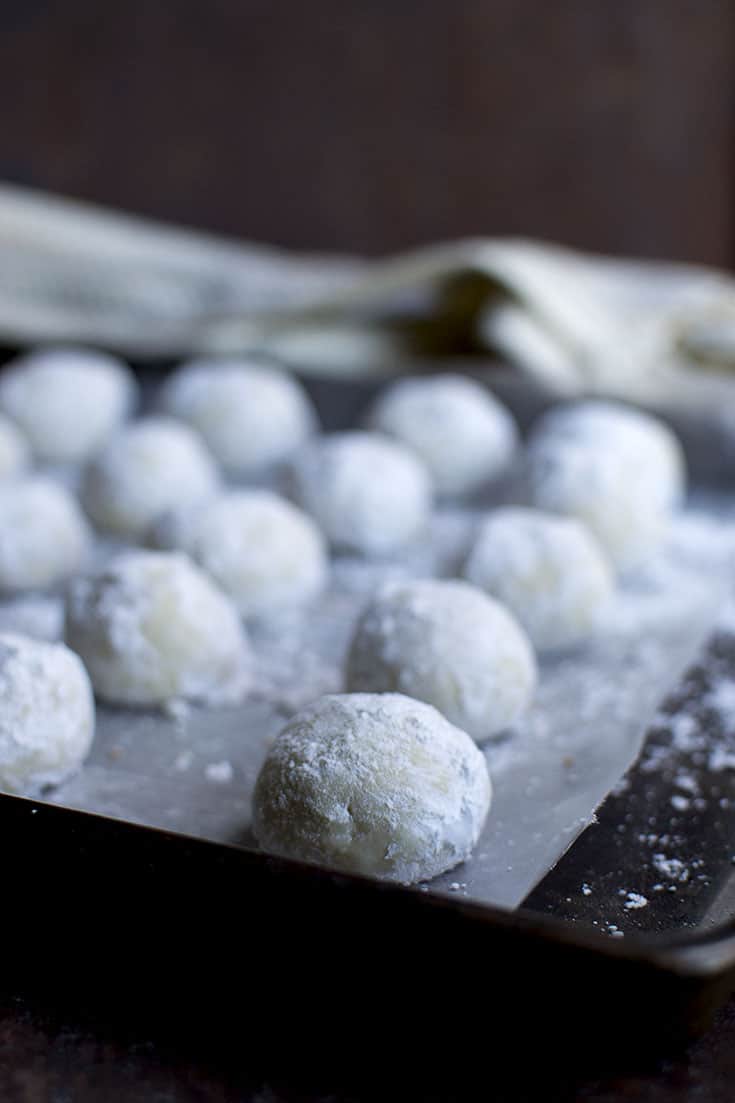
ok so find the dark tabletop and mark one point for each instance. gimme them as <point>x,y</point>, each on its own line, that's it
<point>51,1059</point>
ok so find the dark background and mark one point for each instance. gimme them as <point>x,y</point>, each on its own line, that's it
<point>372,125</point>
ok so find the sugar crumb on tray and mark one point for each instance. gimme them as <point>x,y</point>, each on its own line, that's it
<point>221,773</point>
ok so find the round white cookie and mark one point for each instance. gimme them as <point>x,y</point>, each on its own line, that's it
<point>376,784</point>
<point>548,570</point>
<point>264,552</point>
<point>251,416</point>
<point>148,467</point>
<point>618,470</point>
<point>15,455</point>
<point>44,536</point>
<point>67,401</point>
<point>367,493</point>
<point>635,432</point>
<point>462,433</point>
<point>152,628</point>
<point>46,713</point>
<point>447,643</point>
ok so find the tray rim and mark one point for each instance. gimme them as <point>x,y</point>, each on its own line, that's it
<point>691,954</point>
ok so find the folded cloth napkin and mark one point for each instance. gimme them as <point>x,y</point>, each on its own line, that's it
<point>648,331</point>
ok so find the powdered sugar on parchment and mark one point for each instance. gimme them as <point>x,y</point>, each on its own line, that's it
<point>550,771</point>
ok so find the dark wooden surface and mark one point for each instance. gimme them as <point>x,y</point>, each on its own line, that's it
<point>375,125</point>
<point>47,1060</point>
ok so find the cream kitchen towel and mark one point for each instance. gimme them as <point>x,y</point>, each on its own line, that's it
<point>651,332</point>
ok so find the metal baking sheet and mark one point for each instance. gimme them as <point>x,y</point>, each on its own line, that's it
<point>193,771</point>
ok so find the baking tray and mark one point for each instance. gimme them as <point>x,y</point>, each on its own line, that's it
<point>147,920</point>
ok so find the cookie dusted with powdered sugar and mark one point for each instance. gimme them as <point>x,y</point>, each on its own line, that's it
<point>548,570</point>
<point>250,415</point>
<point>152,628</point>
<point>152,465</point>
<point>44,536</point>
<point>447,643</point>
<point>266,554</point>
<point>618,470</point>
<point>460,431</point>
<point>67,401</point>
<point>46,713</point>
<point>367,493</point>
<point>376,784</point>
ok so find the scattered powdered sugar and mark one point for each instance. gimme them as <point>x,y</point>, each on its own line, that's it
<point>722,698</point>
<point>693,737</point>
<point>177,708</point>
<point>221,773</point>
<point>550,770</point>
<point>634,900</point>
<point>721,758</point>
<point>686,782</point>
<point>672,868</point>
<point>183,760</point>
<point>684,731</point>
<point>441,553</point>
<point>298,655</point>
